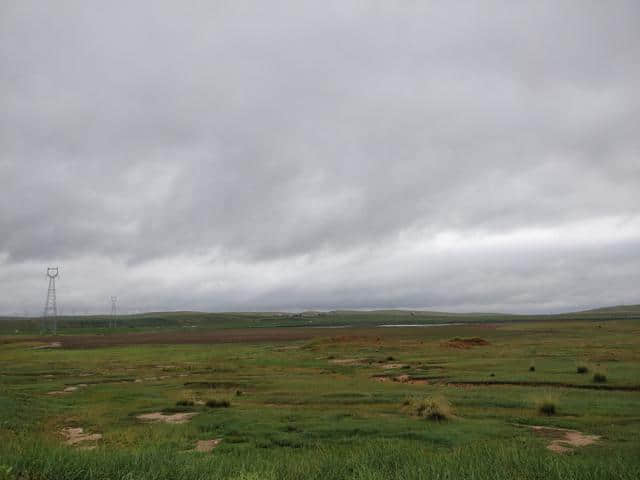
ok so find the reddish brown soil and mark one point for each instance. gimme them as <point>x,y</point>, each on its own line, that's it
<point>465,343</point>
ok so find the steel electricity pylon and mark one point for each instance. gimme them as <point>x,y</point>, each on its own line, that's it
<point>50,306</point>
<point>114,312</point>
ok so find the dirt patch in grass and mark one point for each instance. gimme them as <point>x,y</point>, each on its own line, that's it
<point>76,436</point>
<point>619,388</point>
<point>407,379</point>
<point>392,366</point>
<point>348,361</point>
<point>207,445</point>
<point>181,417</point>
<point>563,440</point>
<point>67,390</point>
<point>465,343</point>
<point>48,345</point>
<point>382,378</point>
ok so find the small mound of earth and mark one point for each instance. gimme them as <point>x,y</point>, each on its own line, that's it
<point>563,439</point>
<point>76,436</point>
<point>207,445</point>
<point>171,418</point>
<point>465,343</point>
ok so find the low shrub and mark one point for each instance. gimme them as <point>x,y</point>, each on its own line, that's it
<point>184,403</point>
<point>532,368</point>
<point>599,377</point>
<point>217,403</point>
<point>431,408</point>
<point>547,405</point>
<point>547,408</point>
<point>582,369</point>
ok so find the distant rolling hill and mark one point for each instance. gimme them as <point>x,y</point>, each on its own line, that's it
<point>194,321</point>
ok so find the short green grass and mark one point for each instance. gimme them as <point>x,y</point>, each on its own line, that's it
<point>321,408</point>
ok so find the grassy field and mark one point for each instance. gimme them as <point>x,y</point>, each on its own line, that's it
<point>328,403</point>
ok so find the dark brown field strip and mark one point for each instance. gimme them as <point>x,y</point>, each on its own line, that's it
<point>244,335</point>
<point>618,388</point>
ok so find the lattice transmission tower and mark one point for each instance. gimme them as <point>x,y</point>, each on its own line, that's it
<point>50,306</point>
<point>114,311</point>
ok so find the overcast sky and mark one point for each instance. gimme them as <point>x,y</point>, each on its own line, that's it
<point>294,155</point>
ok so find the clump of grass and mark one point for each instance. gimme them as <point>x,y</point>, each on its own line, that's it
<point>184,403</point>
<point>218,403</point>
<point>390,358</point>
<point>599,377</point>
<point>434,408</point>
<point>547,408</point>
<point>582,369</point>
<point>547,405</point>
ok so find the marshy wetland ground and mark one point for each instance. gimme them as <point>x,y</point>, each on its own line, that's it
<point>548,399</point>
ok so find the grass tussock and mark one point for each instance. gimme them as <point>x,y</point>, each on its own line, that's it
<point>434,408</point>
<point>218,403</point>
<point>547,405</point>
<point>599,377</point>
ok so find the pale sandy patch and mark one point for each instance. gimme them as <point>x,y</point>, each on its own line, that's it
<point>74,436</point>
<point>171,418</point>
<point>565,440</point>
<point>207,445</point>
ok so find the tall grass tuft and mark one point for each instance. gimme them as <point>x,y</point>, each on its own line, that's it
<point>599,377</point>
<point>547,405</point>
<point>218,403</point>
<point>435,408</point>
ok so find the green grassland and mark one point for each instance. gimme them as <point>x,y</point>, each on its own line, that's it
<point>331,407</point>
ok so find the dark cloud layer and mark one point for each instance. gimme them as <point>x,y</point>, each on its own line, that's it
<point>287,155</point>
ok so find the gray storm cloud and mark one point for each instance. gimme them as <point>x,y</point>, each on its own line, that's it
<point>283,155</point>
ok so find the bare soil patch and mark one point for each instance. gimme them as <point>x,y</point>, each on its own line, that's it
<point>408,379</point>
<point>76,436</point>
<point>348,361</point>
<point>48,345</point>
<point>392,366</point>
<point>564,440</point>
<point>618,388</point>
<point>67,390</point>
<point>207,445</point>
<point>167,418</point>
